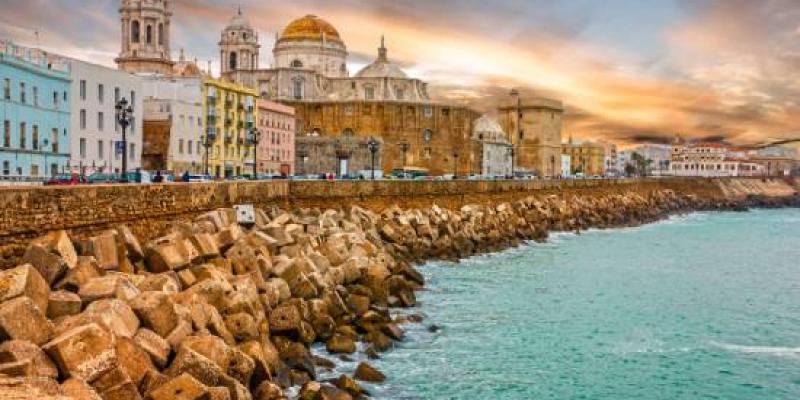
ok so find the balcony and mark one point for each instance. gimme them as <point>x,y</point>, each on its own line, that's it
<point>228,103</point>
<point>228,139</point>
<point>228,121</point>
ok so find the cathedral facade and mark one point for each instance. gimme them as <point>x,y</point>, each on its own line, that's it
<point>310,73</point>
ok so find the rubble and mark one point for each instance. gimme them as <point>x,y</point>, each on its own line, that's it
<point>217,310</point>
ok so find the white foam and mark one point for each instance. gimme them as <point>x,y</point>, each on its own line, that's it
<point>793,352</point>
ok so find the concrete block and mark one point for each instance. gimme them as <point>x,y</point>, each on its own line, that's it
<point>21,319</point>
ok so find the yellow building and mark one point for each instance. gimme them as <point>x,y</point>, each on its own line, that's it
<point>230,113</point>
<point>587,158</point>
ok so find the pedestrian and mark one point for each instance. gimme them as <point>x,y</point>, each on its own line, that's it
<point>158,178</point>
<point>185,177</point>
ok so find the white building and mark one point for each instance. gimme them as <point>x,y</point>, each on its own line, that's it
<point>178,103</point>
<point>611,161</point>
<point>711,160</point>
<point>492,147</point>
<point>95,131</point>
<point>566,165</point>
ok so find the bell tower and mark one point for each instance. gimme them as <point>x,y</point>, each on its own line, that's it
<point>145,36</point>
<point>238,46</point>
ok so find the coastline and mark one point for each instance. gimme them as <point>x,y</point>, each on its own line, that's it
<point>245,304</point>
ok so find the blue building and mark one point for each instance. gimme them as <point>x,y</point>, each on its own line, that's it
<point>34,113</point>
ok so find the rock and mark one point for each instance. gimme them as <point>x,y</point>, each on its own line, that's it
<point>85,270</point>
<point>133,360</point>
<point>182,331</point>
<point>182,387</point>
<point>349,385</point>
<point>297,356</point>
<point>394,331</point>
<point>78,389</point>
<point>50,265</point>
<point>366,372</point>
<point>21,319</point>
<point>156,311</point>
<point>285,319</point>
<point>62,303</point>
<point>341,344</point>
<point>358,304</point>
<point>333,393</point>
<point>134,249</point>
<point>268,391</point>
<point>242,326</point>
<point>24,358</point>
<point>104,250</point>
<point>106,287</point>
<point>155,346</point>
<point>165,257</point>
<point>83,352</point>
<point>24,281</point>
<point>116,315</point>
<point>159,283</point>
<point>195,364</point>
<point>241,366</point>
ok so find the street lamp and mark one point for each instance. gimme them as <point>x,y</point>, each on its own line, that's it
<point>373,148</point>
<point>404,147</point>
<point>255,138</point>
<point>455,164</point>
<point>211,137</point>
<point>124,114</point>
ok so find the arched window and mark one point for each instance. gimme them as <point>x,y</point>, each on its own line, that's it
<point>297,64</point>
<point>149,34</point>
<point>232,61</point>
<point>348,132</point>
<point>135,32</point>
<point>297,88</point>
<point>161,34</point>
<point>427,135</point>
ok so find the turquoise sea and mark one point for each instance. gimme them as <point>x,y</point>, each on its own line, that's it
<point>702,306</point>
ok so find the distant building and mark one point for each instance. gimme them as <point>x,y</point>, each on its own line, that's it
<point>711,160</point>
<point>587,158</point>
<point>96,136</point>
<point>534,126</point>
<point>277,125</point>
<point>491,148</point>
<point>341,156</point>
<point>173,124</point>
<point>145,36</point>
<point>230,112</point>
<point>35,113</point>
<point>610,161</point>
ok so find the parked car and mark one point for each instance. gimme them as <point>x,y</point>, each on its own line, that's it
<point>200,178</point>
<point>66,179</point>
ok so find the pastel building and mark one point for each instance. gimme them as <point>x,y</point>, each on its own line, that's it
<point>34,112</point>
<point>277,125</point>
<point>96,135</point>
<point>230,112</point>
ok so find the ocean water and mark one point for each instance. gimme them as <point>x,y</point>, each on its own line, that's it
<point>703,306</point>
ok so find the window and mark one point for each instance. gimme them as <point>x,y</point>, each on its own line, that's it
<point>427,135</point>
<point>180,146</point>
<point>22,92</point>
<point>428,111</point>
<point>35,140</point>
<point>36,96</point>
<point>83,148</point>
<point>55,99</point>
<point>6,168</point>
<point>116,95</point>
<point>54,140</point>
<point>348,109</point>
<point>100,152</point>
<point>7,89</point>
<point>232,60</point>
<point>369,93</point>
<point>6,133</point>
<point>427,152</point>
<point>22,135</point>
<point>133,99</point>
<point>189,147</point>
<point>400,93</point>
<point>83,119</point>
<point>149,34</point>
<point>100,121</point>
<point>160,34</point>
<point>297,85</point>
<point>83,90</point>
<point>132,151</point>
<point>34,170</point>
<point>135,31</point>
<point>100,93</point>
<point>297,64</point>
<point>65,96</point>
<point>114,149</point>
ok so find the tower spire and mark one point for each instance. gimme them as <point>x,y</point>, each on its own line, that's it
<point>382,52</point>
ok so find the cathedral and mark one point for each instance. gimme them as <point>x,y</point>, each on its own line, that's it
<point>310,73</point>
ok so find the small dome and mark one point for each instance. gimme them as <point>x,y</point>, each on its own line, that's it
<point>382,67</point>
<point>310,27</point>
<point>239,21</point>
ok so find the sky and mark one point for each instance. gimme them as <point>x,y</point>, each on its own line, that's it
<point>628,71</point>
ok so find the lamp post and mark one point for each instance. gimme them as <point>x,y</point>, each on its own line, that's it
<point>255,138</point>
<point>373,148</point>
<point>211,136</point>
<point>455,164</point>
<point>124,114</point>
<point>404,147</point>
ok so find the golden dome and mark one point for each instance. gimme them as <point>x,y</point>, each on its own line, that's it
<point>310,27</point>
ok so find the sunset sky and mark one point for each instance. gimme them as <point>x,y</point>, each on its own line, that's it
<point>627,70</point>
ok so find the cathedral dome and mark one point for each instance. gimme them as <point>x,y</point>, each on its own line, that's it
<point>382,67</point>
<point>310,27</point>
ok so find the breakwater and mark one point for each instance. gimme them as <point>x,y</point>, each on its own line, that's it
<point>218,309</point>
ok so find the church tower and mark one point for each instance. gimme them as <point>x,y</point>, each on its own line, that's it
<point>145,36</point>
<point>238,46</point>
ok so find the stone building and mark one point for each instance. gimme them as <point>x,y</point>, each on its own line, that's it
<point>173,124</point>
<point>343,156</point>
<point>534,126</point>
<point>230,113</point>
<point>310,74</point>
<point>145,36</point>
<point>492,149</point>
<point>34,112</point>
<point>587,158</point>
<point>276,122</point>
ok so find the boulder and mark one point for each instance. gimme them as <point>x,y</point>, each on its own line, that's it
<point>133,360</point>
<point>84,270</point>
<point>366,372</point>
<point>155,346</point>
<point>24,358</point>
<point>24,281</point>
<point>50,265</point>
<point>163,257</point>
<point>182,387</point>
<point>104,249</point>
<point>117,286</point>
<point>21,319</point>
<point>285,319</point>
<point>83,352</point>
<point>62,303</point>
<point>134,249</point>
<point>78,389</point>
<point>156,311</point>
<point>116,315</point>
<point>341,344</point>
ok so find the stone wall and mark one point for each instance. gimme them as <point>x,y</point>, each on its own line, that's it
<point>26,213</point>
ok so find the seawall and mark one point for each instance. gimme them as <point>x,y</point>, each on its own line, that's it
<point>150,209</point>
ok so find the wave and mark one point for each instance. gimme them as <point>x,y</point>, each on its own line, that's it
<point>793,352</point>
